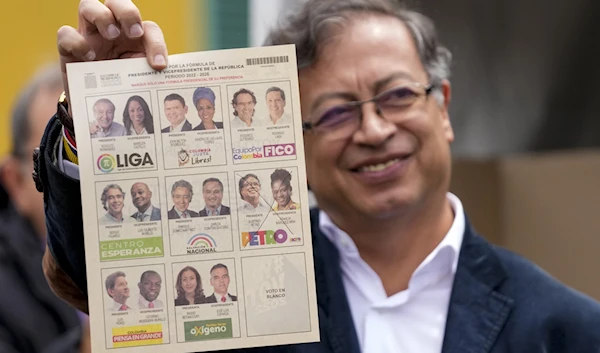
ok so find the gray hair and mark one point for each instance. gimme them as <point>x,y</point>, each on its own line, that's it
<point>182,184</point>
<point>106,101</point>
<point>47,78</point>
<point>104,196</point>
<point>112,279</point>
<point>310,27</point>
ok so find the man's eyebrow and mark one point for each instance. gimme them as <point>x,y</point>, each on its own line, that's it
<point>324,97</point>
<point>377,86</point>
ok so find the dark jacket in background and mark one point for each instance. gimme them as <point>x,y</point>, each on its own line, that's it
<point>32,318</point>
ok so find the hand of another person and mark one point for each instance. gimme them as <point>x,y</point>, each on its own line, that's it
<point>94,128</point>
<point>113,30</point>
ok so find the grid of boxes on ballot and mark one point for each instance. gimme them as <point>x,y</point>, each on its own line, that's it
<point>211,200</point>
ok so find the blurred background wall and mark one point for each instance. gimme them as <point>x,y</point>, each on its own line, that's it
<point>525,104</point>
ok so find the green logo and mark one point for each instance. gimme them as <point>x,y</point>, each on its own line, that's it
<point>207,330</point>
<point>131,248</point>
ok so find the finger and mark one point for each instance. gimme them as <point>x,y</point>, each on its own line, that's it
<point>128,16</point>
<point>154,43</point>
<point>96,17</point>
<point>72,46</point>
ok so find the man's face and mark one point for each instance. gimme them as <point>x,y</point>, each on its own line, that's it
<point>219,279</point>
<point>114,201</point>
<point>384,169</point>
<point>150,287</point>
<point>141,195</point>
<point>104,113</point>
<point>175,112</point>
<point>15,175</point>
<point>244,106</point>
<point>213,195</point>
<point>251,189</point>
<point>181,198</point>
<point>120,292</point>
<point>275,104</point>
<point>281,193</point>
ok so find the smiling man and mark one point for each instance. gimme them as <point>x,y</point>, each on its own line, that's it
<point>398,266</point>
<point>181,195</point>
<point>276,104</point>
<point>175,111</point>
<point>112,200</point>
<point>104,124</point>
<point>150,285</point>
<point>212,192</point>
<point>141,196</point>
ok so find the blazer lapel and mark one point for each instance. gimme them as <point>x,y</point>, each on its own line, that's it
<point>477,311</point>
<point>335,320</point>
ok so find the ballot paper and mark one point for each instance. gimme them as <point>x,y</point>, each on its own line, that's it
<point>196,216</point>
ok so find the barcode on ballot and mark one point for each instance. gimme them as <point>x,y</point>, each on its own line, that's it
<point>90,81</point>
<point>267,61</point>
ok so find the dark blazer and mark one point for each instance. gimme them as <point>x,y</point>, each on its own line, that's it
<point>218,124</point>
<point>183,301</point>
<point>174,215</point>
<point>187,126</point>
<point>32,318</point>
<point>224,211</point>
<point>213,299</point>
<point>500,302</point>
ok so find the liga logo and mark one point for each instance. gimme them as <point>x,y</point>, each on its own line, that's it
<point>106,163</point>
<point>207,329</point>
<point>201,244</point>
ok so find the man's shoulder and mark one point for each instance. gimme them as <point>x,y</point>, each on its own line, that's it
<point>542,302</point>
<point>165,130</point>
<point>225,210</point>
<point>193,213</point>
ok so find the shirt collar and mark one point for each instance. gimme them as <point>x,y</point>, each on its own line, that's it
<point>179,127</point>
<point>210,213</point>
<point>438,258</point>
<point>148,211</point>
<point>143,301</point>
<point>179,213</point>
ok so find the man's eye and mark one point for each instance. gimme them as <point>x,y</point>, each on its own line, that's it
<point>336,116</point>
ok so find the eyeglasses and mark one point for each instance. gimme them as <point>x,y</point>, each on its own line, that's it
<point>253,184</point>
<point>341,121</point>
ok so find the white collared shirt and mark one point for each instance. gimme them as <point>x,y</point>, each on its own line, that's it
<point>143,303</point>
<point>285,119</point>
<point>220,297</point>
<point>216,212</point>
<point>246,207</point>
<point>110,219</point>
<point>133,132</point>
<point>180,214</point>
<point>411,321</point>
<point>240,124</point>
<point>117,306</point>
<point>178,127</point>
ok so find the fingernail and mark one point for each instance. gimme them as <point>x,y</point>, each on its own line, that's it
<point>113,31</point>
<point>91,55</point>
<point>159,59</point>
<point>136,30</point>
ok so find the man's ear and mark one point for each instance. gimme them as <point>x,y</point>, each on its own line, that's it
<point>11,178</point>
<point>446,123</point>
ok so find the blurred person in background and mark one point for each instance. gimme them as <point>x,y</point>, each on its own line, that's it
<point>32,318</point>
